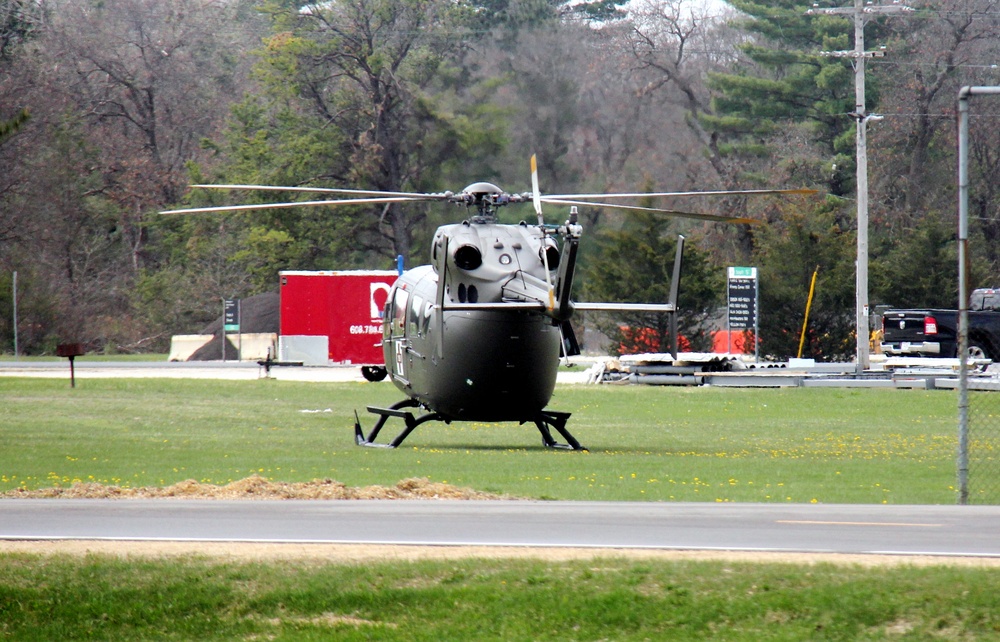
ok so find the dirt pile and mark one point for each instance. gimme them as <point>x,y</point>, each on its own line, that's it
<point>257,487</point>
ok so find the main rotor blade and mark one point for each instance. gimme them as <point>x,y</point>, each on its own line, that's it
<point>536,198</point>
<point>272,206</point>
<point>715,218</point>
<point>324,190</point>
<point>738,192</point>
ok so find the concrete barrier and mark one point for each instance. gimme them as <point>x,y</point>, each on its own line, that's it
<point>254,346</point>
<point>182,346</point>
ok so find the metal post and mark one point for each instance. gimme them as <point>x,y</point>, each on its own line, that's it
<point>223,330</point>
<point>756,321</point>
<point>963,284</point>
<point>239,333</point>
<point>963,297</point>
<point>729,336</point>
<point>675,284</point>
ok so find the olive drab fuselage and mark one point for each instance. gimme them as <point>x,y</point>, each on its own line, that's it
<point>472,348</point>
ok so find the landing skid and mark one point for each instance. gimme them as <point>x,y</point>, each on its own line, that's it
<point>543,420</point>
<point>396,410</point>
<point>558,421</point>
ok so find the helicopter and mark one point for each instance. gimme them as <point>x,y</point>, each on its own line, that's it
<point>478,333</point>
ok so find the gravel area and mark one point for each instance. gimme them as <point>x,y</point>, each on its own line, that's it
<point>367,553</point>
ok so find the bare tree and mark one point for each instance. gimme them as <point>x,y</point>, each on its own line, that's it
<point>928,59</point>
<point>20,21</point>
<point>676,43</point>
<point>369,69</point>
<point>151,79</point>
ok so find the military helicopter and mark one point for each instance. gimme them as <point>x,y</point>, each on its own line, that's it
<point>477,334</point>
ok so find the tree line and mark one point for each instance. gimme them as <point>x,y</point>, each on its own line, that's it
<point>109,109</point>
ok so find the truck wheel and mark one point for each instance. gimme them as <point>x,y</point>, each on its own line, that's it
<point>977,351</point>
<point>373,373</point>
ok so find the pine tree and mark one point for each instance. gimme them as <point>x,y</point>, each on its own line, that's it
<point>785,103</point>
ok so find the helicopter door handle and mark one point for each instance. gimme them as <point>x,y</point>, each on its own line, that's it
<point>414,353</point>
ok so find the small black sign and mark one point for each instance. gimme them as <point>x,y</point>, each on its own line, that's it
<point>742,298</point>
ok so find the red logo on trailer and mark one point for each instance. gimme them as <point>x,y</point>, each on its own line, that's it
<point>344,305</point>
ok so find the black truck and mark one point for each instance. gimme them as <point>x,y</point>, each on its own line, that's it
<point>934,333</point>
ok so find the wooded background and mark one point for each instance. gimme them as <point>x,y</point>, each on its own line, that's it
<point>110,108</point>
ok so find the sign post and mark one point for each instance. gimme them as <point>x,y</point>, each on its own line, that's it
<point>742,304</point>
<point>71,351</point>
<point>231,323</point>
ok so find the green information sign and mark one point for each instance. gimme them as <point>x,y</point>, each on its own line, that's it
<point>231,315</point>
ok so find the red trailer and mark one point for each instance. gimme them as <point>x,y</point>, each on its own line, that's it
<point>342,307</point>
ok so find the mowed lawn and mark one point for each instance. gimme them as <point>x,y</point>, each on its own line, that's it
<point>646,443</point>
<point>112,598</point>
<point>652,444</point>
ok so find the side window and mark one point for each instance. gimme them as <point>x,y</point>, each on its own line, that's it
<point>399,311</point>
<point>386,317</point>
<point>414,317</point>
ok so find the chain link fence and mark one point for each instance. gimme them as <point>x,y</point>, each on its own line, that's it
<point>979,396</point>
<point>983,427</point>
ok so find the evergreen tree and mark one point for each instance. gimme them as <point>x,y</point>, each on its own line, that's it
<point>784,101</point>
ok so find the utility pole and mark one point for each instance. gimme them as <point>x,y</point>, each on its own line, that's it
<point>861,12</point>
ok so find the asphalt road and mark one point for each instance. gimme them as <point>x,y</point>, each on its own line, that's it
<point>885,529</point>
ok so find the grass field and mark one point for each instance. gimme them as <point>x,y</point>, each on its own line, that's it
<point>653,444</point>
<point>62,598</point>
<point>646,443</point>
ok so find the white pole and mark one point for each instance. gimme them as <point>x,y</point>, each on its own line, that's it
<point>15,315</point>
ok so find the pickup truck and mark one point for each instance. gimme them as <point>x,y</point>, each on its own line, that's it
<point>934,333</point>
